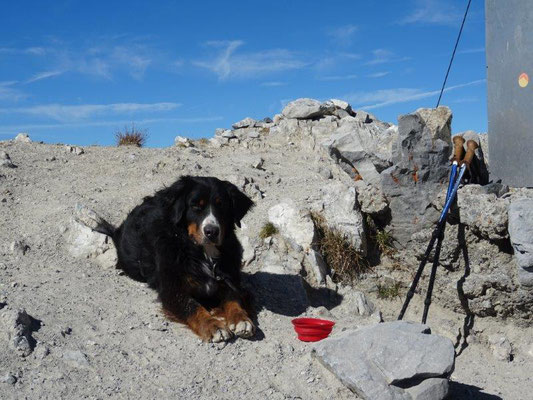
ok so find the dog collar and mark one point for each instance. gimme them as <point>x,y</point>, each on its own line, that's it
<point>210,266</point>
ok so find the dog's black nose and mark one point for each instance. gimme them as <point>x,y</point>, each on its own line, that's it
<point>211,232</point>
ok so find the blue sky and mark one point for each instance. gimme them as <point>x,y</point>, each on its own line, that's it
<point>77,71</point>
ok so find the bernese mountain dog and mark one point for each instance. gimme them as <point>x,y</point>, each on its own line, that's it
<point>182,242</point>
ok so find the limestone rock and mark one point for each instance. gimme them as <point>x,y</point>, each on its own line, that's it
<point>183,141</point>
<point>23,138</point>
<point>244,123</point>
<point>521,234</point>
<point>501,348</point>
<point>366,147</point>
<point>389,360</point>
<point>16,326</point>
<point>84,242</point>
<point>307,108</point>
<point>482,211</point>
<point>294,223</point>
<point>371,199</point>
<point>421,167</point>
<point>5,160</point>
<point>341,211</point>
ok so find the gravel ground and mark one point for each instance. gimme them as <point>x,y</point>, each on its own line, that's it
<point>99,334</point>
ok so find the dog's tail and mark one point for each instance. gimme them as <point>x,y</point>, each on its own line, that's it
<point>92,220</point>
<point>106,228</point>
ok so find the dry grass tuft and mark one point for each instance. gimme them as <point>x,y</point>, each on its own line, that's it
<point>268,229</point>
<point>345,261</point>
<point>131,136</point>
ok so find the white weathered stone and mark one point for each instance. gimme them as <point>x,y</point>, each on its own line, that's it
<point>5,160</point>
<point>294,223</point>
<point>23,138</point>
<point>183,141</point>
<point>371,199</point>
<point>341,211</point>
<point>84,242</point>
<point>244,123</point>
<point>307,108</point>
<point>501,347</point>
<point>16,326</point>
<point>366,146</point>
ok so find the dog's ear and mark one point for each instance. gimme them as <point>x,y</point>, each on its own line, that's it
<point>241,203</point>
<point>175,197</point>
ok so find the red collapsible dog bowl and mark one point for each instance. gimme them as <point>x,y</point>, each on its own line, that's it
<point>312,329</point>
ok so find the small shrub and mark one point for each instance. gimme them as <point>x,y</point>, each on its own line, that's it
<point>203,141</point>
<point>268,229</point>
<point>384,242</point>
<point>389,292</point>
<point>131,136</point>
<point>338,252</point>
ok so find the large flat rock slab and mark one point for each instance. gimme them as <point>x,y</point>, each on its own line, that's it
<point>394,360</point>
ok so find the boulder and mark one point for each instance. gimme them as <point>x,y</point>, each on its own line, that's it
<point>294,223</point>
<point>5,160</point>
<point>389,361</point>
<point>23,138</point>
<point>420,170</point>
<point>307,108</point>
<point>340,208</point>
<point>342,105</point>
<point>371,199</point>
<point>83,242</point>
<point>244,123</point>
<point>183,141</point>
<point>297,227</point>
<point>501,348</point>
<point>483,211</point>
<point>16,326</point>
<point>521,235</point>
<point>365,147</point>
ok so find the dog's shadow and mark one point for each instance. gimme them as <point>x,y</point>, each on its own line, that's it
<point>287,295</point>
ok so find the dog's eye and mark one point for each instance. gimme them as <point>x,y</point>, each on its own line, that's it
<point>197,207</point>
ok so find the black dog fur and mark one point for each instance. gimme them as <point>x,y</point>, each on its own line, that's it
<point>197,280</point>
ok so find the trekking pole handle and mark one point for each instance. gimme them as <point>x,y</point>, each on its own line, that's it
<point>471,147</point>
<point>458,148</point>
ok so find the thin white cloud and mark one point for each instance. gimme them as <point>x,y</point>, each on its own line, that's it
<point>35,51</point>
<point>472,51</point>
<point>108,57</point>
<point>136,63</point>
<point>9,93</point>
<point>230,64</point>
<point>383,56</point>
<point>378,74</point>
<point>465,100</point>
<point>44,75</point>
<point>8,130</point>
<point>433,12</point>
<point>386,97</point>
<point>343,35</point>
<point>337,77</point>
<point>72,113</point>
<point>273,84</point>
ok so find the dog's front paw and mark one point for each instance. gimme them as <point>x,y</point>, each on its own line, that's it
<point>244,328</point>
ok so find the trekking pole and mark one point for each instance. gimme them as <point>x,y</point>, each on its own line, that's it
<point>458,148</point>
<point>436,233</point>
